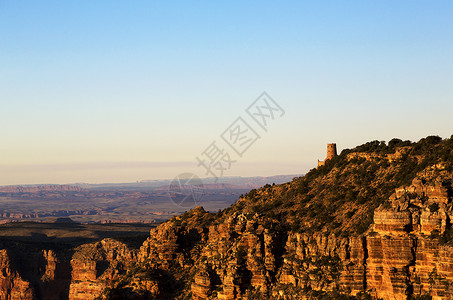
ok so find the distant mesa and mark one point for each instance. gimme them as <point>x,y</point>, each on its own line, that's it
<point>62,221</point>
<point>40,188</point>
<point>331,153</point>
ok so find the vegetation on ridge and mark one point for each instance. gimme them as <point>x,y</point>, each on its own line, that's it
<point>341,196</point>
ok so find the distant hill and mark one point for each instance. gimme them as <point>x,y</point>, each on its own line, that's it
<point>62,221</point>
<point>235,182</point>
<point>40,188</point>
<point>118,202</point>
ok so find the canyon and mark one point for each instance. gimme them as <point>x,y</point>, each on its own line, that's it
<point>372,223</point>
<point>138,202</point>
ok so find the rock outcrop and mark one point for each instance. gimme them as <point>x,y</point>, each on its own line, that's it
<point>13,286</point>
<point>95,266</point>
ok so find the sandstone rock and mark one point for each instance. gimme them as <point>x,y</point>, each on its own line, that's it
<point>11,283</point>
<point>201,288</point>
<point>95,266</point>
<point>391,221</point>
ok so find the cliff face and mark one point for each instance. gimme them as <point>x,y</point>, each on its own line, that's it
<point>407,242</point>
<point>241,258</point>
<point>394,259</point>
<point>25,274</point>
<point>95,266</point>
<point>12,285</point>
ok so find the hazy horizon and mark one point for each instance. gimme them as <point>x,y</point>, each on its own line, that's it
<point>124,91</point>
<point>205,180</point>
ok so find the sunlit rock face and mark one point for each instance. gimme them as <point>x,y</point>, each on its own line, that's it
<point>11,283</point>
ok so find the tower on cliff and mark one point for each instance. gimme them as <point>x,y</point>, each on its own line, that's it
<point>331,153</point>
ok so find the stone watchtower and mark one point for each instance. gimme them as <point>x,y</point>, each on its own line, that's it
<point>331,153</point>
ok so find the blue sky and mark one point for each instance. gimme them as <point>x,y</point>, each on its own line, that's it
<point>99,91</point>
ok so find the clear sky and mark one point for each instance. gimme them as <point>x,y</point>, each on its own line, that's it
<point>119,91</point>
